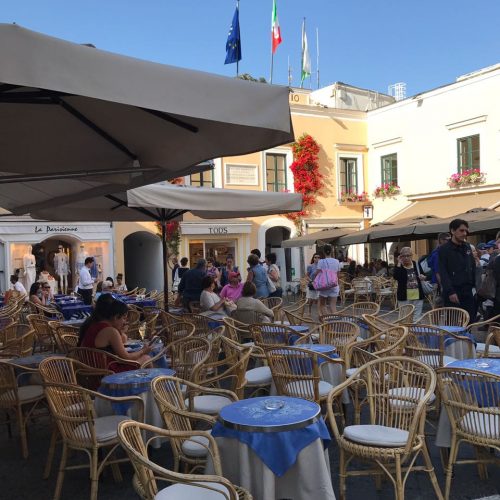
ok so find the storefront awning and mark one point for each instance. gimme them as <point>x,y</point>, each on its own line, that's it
<point>326,235</point>
<point>448,206</point>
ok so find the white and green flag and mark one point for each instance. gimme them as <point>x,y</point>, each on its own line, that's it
<point>306,59</point>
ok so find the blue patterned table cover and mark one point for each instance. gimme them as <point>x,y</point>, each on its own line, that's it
<point>130,383</point>
<point>329,350</point>
<point>34,360</point>
<point>433,342</point>
<point>277,449</point>
<point>489,396</point>
<point>139,303</point>
<point>74,311</point>
<point>137,345</point>
<point>69,302</point>
<point>299,328</point>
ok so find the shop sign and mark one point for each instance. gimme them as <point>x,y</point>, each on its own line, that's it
<point>55,229</point>
<point>218,230</point>
<point>215,229</point>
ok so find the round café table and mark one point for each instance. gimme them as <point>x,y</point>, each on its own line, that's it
<point>275,447</point>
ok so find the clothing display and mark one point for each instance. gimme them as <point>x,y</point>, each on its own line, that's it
<point>29,265</point>
<point>80,259</point>
<point>61,267</point>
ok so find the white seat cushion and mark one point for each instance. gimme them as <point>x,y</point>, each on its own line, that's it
<point>209,404</point>
<point>27,392</point>
<point>190,492</point>
<point>350,371</point>
<point>248,344</point>
<point>196,446</point>
<point>480,347</point>
<point>407,392</point>
<point>259,376</point>
<point>376,435</point>
<point>105,428</point>
<point>481,424</point>
<point>295,389</point>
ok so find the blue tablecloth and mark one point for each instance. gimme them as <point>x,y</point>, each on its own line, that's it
<point>130,383</point>
<point>139,303</point>
<point>277,449</point>
<point>135,346</point>
<point>68,302</point>
<point>299,328</point>
<point>329,350</point>
<point>433,341</point>
<point>486,394</point>
<point>34,360</point>
<point>74,311</point>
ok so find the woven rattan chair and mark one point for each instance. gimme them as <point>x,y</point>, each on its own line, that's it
<point>491,348</point>
<point>363,290</point>
<point>358,309</point>
<point>346,291</point>
<point>65,336</point>
<point>13,331</point>
<point>176,331</point>
<point>297,307</point>
<point>167,318</point>
<point>385,290</point>
<point>273,335</point>
<point>134,322</point>
<point>275,304</point>
<point>19,399</point>
<point>376,324</point>
<point>19,347</point>
<point>339,334</point>
<point>200,322</point>
<point>186,353</point>
<point>402,314</point>
<point>72,408</point>
<point>471,399</point>
<point>237,331</point>
<point>49,312</point>
<point>44,334</point>
<point>147,473</point>
<point>297,373</point>
<point>445,316</point>
<point>170,397</point>
<point>427,344</point>
<point>228,371</point>
<point>397,389</point>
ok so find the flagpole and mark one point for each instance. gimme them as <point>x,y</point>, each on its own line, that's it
<point>317,56</point>
<point>302,53</point>
<point>272,61</point>
<point>237,60</point>
<point>289,73</point>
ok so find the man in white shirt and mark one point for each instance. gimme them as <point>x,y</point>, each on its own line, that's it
<point>17,285</point>
<point>86,282</point>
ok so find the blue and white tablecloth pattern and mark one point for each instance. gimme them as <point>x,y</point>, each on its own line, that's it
<point>137,345</point>
<point>130,383</point>
<point>74,311</point>
<point>137,302</point>
<point>34,360</point>
<point>277,449</point>
<point>486,394</point>
<point>329,350</point>
<point>457,330</point>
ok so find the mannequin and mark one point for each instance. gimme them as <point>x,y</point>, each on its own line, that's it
<point>61,266</point>
<point>29,264</point>
<point>80,259</point>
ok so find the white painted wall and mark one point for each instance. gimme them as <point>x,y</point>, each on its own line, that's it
<point>423,131</point>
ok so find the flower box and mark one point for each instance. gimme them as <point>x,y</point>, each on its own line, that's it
<point>386,191</point>
<point>471,177</point>
<point>349,197</point>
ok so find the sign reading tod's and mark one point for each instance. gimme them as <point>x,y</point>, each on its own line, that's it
<point>56,229</point>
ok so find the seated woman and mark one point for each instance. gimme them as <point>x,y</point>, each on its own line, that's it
<point>105,330</point>
<point>232,291</point>
<point>40,294</point>
<point>120,286</point>
<point>211,304</point>
<point>250,310</point>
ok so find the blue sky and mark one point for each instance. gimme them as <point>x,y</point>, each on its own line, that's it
<point>366,43</point>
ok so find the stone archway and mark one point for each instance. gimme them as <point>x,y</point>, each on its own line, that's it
<point>143,261</point>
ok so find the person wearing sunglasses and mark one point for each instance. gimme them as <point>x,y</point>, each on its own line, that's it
<point>409,281</point>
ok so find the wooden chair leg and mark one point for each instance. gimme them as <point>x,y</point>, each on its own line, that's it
<point>94,477</point>
<point>60,475</point>
<point>449,469</point>
<point>400,494</point>
<point>52,449</point>
<point>432,472</point>
<point>342,474</point>
<point>22,432</point>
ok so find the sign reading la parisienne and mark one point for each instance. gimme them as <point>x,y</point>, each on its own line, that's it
<point>56,229</point>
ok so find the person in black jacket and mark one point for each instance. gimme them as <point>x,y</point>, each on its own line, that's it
<point>190,287</point>
<point>457,269</point>
<point>409,282</point>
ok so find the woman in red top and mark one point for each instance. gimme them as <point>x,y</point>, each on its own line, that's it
<point>105,330</point>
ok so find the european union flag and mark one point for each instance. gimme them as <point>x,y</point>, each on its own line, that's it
<point>233,44</point>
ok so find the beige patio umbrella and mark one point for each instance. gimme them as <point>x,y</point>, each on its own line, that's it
<point>404,229</point>
<point>325,235</point>
<point>165,202</point>
<point>76,121</point>
<point>363,235</point>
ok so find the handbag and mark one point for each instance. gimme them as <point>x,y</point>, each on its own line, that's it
<point>270,285</point>
<point>427,287</point>
<point>326,279</point>
<point>488,287</point>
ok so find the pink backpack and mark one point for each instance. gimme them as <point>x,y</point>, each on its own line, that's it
<point>326,279</point>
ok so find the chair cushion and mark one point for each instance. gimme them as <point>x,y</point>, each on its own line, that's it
<point>407,392</point>
<point>105,428</point>
<point>190,492</point>
<point>376,435</point>
<point>196,446</point>
<point>259,376</point>
<point>296,389</point>
<point>209,404</point>
<point>27,392</point>
<point>350,371</point>
<point>248,344</point>
<point>481,424</point>
<point>480,347</point>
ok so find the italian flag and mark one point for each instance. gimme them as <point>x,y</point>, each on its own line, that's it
<point>275,29</point>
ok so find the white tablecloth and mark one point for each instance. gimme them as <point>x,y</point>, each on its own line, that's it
<point>308,479</point>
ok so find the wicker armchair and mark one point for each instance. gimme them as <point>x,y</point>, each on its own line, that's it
<point>44,335</point>
<point>402,314</point>
<point>170,397</point>
<point>147,473</point>
<point>294,318</point>
<point>18,399</point>
<point>134,321</point>
<point>397,389</point>
<point>358,309</point>
<point>363,289</point>
<point>491,348</point>
<point>200,322</point>
<point>167,318</point>
<point>13,331</point>
<point>337,333</point>
<point>49,312</point>
<point>185,354</point>
<point>176,331</point>
<point>275,304</point>
<point>385,290</point>
<point>471,400</point>
<point>297,373</point>
<point>271,335</point>
<point>445,316</point>
<point>19,347</point>
<point>72,408</point>
<point>346,291</point>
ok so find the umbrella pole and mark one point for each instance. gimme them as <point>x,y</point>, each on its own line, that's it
<point>165,265</point>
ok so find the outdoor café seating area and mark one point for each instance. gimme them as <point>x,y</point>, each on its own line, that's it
<point>366,401</point>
